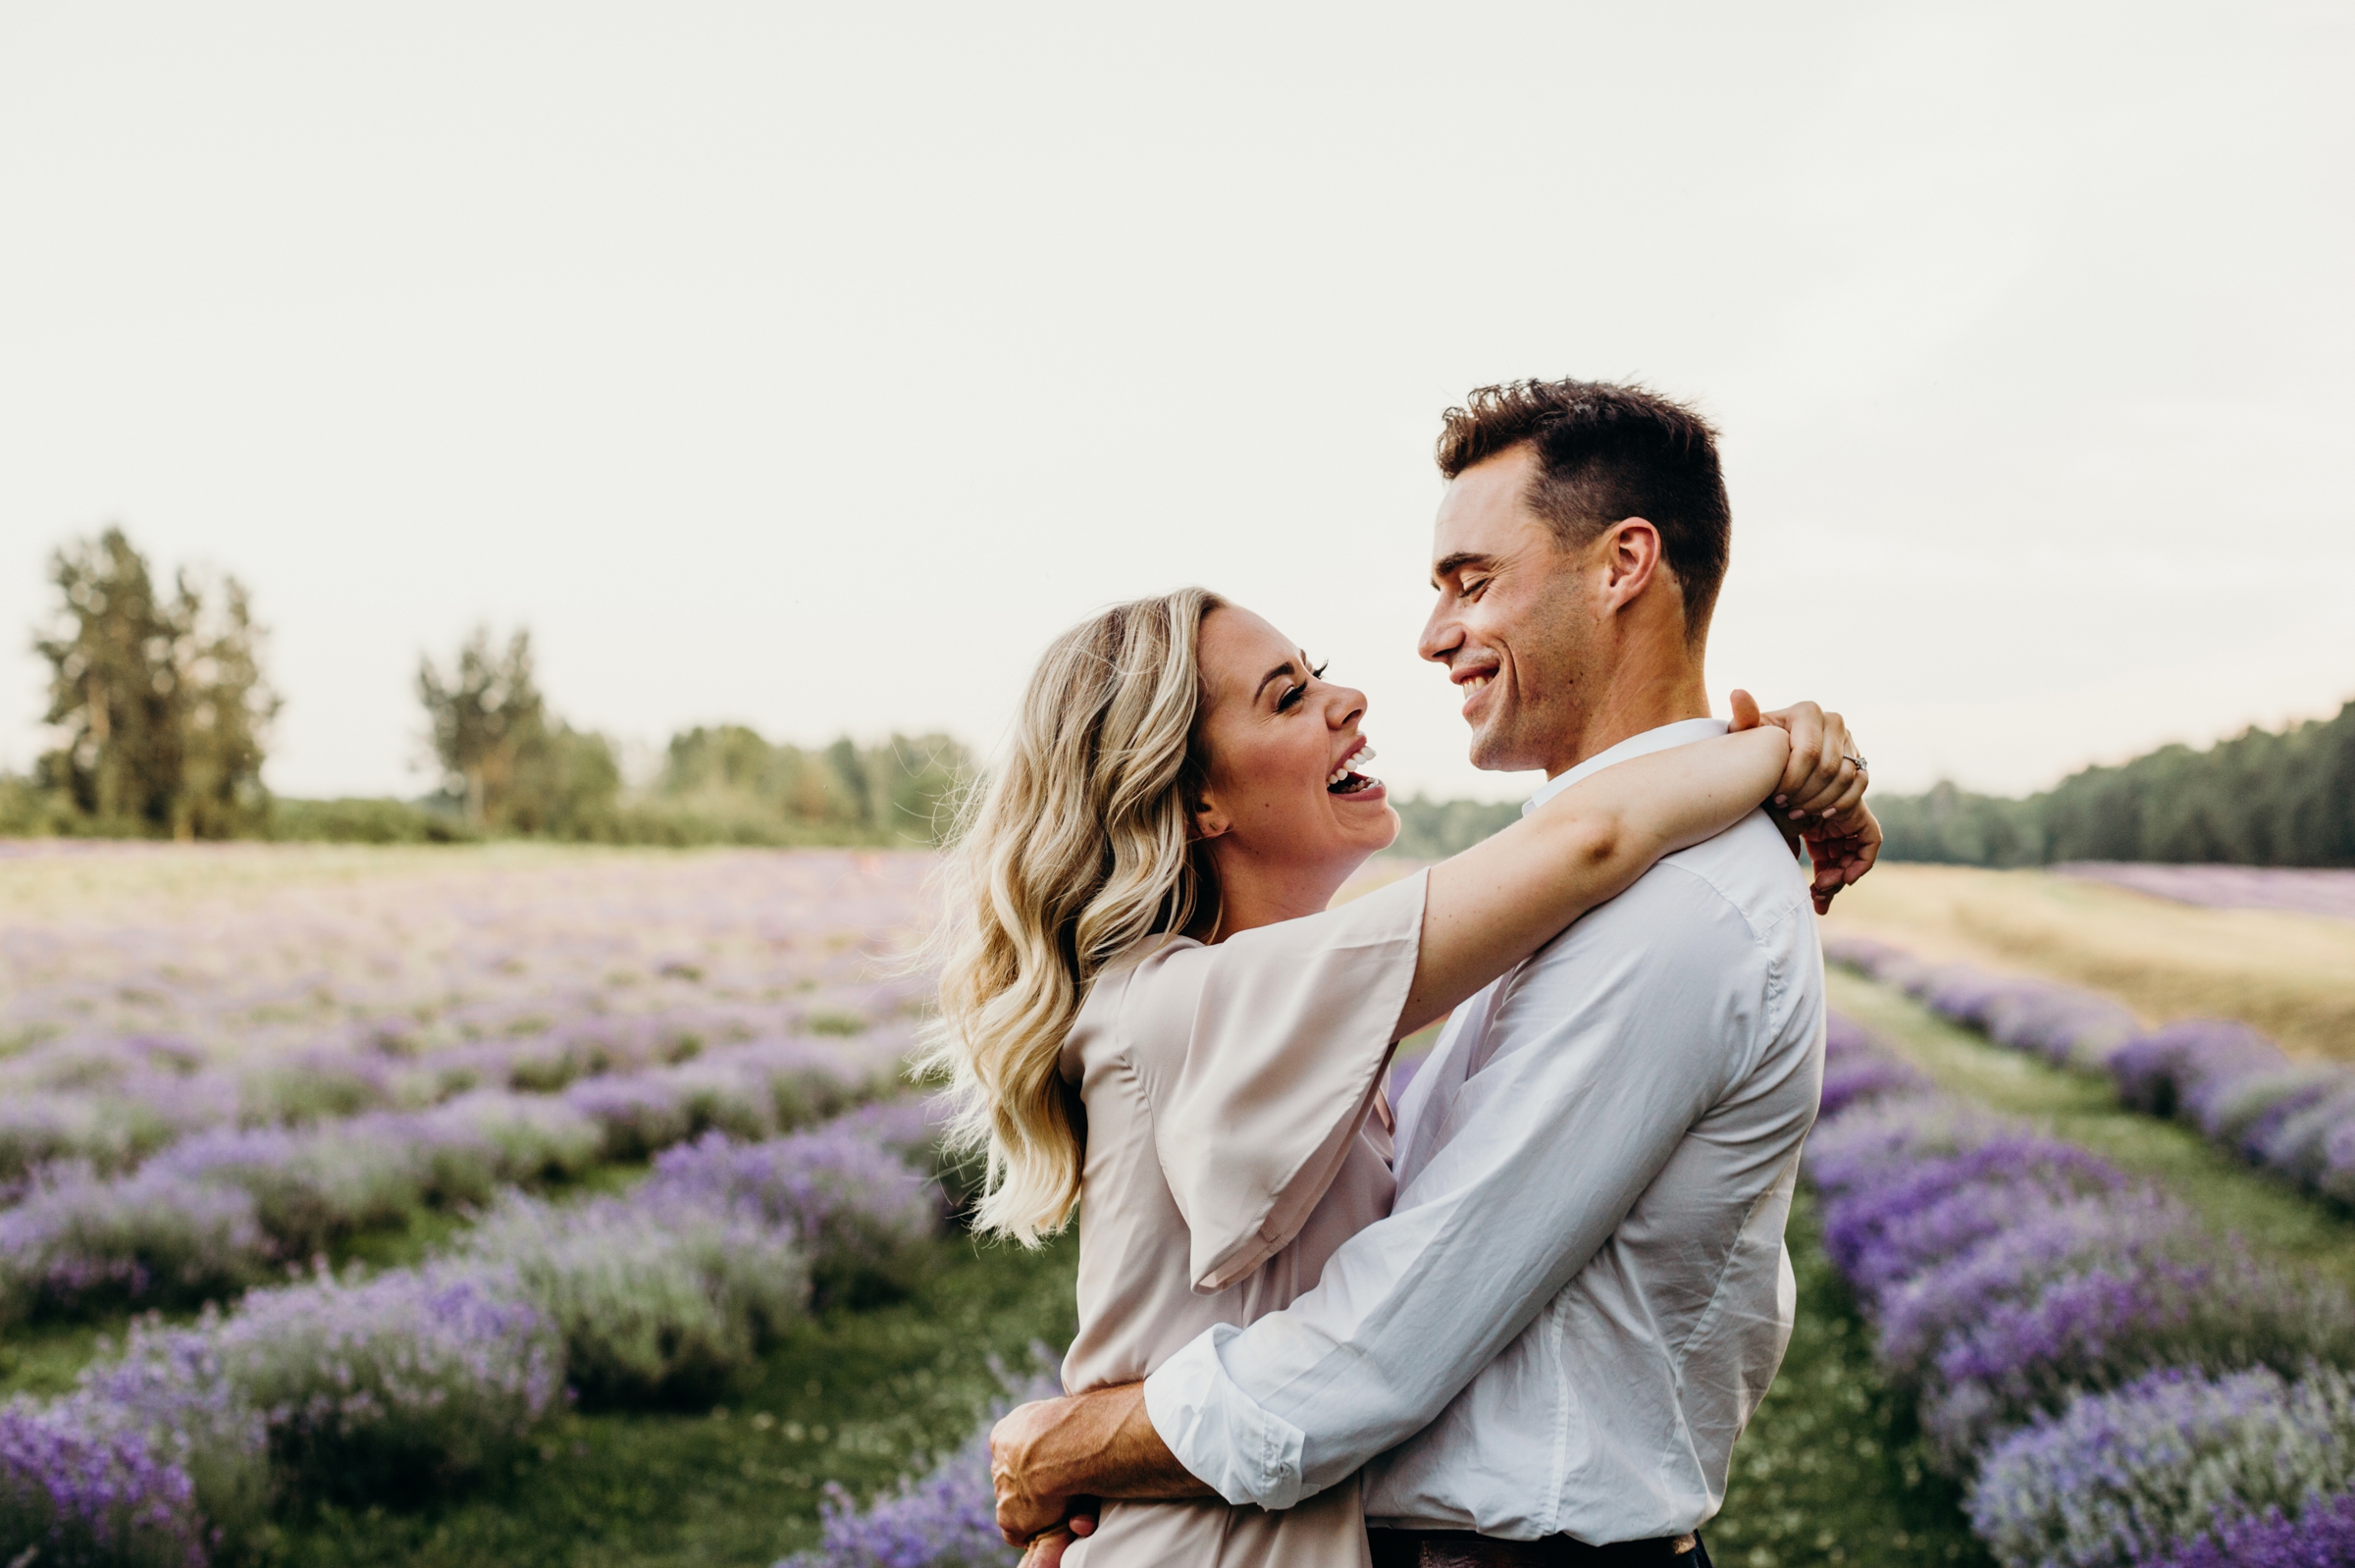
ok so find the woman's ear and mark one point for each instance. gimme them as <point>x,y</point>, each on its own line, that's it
<point>1206,820</point>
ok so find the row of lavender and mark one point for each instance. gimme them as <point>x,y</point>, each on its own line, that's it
<point>944,1518</point>
<point>2293,1118</point>
<point>221,1210</point>
<point>128,1020</point>
<point>174,1451</point>
<point>2119,1386</point>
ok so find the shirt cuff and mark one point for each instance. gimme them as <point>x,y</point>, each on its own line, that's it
<point>1218,1433</point>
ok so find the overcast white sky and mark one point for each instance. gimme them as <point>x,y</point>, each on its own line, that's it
<point>811,366</point>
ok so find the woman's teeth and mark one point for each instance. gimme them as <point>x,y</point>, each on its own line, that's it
<point>1350,770</point>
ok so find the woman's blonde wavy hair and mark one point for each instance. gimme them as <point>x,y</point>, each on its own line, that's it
<point>1077,852</point>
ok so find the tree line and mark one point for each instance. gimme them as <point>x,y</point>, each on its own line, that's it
<point>162,710</point>
<point>2263,797</point>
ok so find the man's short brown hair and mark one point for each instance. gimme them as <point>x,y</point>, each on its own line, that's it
<point>1608,452</point>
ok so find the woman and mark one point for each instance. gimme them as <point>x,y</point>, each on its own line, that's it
<point>1146,1005</point>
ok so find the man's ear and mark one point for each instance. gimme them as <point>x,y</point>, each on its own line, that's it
<point>1630,559</point>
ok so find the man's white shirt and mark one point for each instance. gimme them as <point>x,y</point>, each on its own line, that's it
<point>1582,1293</point>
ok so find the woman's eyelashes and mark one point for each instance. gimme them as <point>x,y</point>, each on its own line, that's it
<point>1292,693</point>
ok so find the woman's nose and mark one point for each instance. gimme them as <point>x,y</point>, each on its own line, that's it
<point>1347,704</point>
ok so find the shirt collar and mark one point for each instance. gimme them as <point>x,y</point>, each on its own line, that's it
<point>1681,732</point>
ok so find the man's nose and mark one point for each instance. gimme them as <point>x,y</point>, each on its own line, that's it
<point>1441,636</point>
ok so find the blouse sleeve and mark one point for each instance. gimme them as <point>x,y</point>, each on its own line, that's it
<point>1266,1053</point>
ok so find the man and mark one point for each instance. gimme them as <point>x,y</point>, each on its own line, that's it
<point>1546,1353</point>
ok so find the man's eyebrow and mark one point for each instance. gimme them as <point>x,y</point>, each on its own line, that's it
<point>1287,667</point>
<point>1449,565</point>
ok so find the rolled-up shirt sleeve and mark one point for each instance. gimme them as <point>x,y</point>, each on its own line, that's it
<point>1607,1053</point>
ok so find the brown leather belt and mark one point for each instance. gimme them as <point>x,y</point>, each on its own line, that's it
<point>1461,1549</point>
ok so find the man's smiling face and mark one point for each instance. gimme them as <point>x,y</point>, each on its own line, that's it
<point>1512,623</point>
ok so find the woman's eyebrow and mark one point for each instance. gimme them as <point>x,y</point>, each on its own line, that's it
<point>1287,667</point>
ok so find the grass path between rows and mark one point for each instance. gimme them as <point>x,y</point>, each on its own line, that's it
<point>1830,1472</point>
<point>2274,1218</point>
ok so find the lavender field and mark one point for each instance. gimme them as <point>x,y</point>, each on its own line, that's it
<point>332,1185</point>
<point>2258,946</point>
<point>2329,893</point>
<point>521,1206</point>
<point>2115,1380</point>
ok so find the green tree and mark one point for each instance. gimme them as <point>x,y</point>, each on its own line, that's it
<point>484,717</point>
<point>511,764</point>
<point>565,784</point>
<point>739,786</point>
<point>2259,799</point>
<point>162,703</point>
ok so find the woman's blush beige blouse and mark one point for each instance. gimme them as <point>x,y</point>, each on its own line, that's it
<point>1233,1142</point>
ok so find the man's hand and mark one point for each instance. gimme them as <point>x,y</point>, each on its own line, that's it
<point>1843,847</point>
<point>1046,1552</point>
<point>1052,1459</point>
<point>1026,1514</point>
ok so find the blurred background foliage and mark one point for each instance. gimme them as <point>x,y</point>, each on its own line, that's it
<point>159,701</point>
<point>2260,799</point>
<point>163,710</point>
<point>163,713</point>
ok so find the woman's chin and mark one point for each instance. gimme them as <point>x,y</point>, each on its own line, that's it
<point>1372,825</point>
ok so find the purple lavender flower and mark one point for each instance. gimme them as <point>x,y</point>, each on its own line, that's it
<point>2174,1067</point>
<point>70,1493</point>
<point>2248,1113</point>
<point>128,1026</point>
<point>154,1237</point>
<point>2113,1322</point>
<point>1880,1234</point>
<point>466,1148</point>
<point>861,1212</point>
<point>169,1390</point>
<point>946,1518</point>
<point>2321,1535</point>
<point>2026,1239</point>
<point>2064,1025</point>
<point>2173,1458</point>
<point>638,1114</point>
<point>2329,893</point>
<point>379,1384</point>
<point>1850,1079</point>
<point>308,1186</point>
<point>1873,1139</point>
<point>656,1296</point>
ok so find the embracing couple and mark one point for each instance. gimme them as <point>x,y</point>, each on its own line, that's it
<point>1524,1319</point>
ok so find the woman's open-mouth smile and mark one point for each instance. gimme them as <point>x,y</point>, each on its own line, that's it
<point>1346,777</point>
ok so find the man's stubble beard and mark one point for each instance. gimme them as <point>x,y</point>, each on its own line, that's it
<point>1532,734</point>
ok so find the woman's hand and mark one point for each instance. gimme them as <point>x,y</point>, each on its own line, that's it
<point>1821,794</point>
<point>1825,773</point>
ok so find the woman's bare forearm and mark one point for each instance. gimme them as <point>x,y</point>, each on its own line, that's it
<point>1491,906</point>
